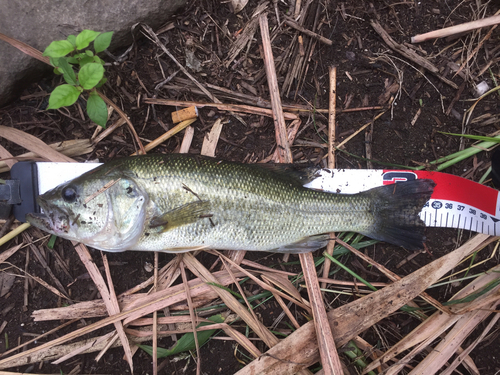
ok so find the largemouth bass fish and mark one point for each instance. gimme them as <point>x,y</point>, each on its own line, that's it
<point>177,203</point>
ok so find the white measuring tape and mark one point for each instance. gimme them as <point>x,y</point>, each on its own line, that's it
<point>455,203</point>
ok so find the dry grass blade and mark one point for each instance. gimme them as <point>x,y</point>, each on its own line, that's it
<point>8,159</point>
<point>424,334</point>
<point>9,252</point>
<point>108,295</point>
<point>448,346</point>
<point>157,300</point>
<point>25,48</point>
<point>463,355</point>
<point>33,144</point>
<point>392,276</point>
<point>200,271</point>
<point>69,148</point>
<point>193,318</point>
<point>138,308</point>
<point>300,350</point>
<point>297,298</point>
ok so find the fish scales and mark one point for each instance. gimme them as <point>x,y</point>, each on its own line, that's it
<point>183,202</point>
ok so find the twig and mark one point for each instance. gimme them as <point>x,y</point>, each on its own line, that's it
<point>284,153</point>
<point>193,317</point>
<point>332,139</point>
<point>327,349</point>
<point>409,53</point>
<point>222,107</point>
<point>167,52</point>
<point>167,135</point>
<point>329,357</point>
<point>125,117</point>
<point>457,29</point>
<point>310,33</point>
<point>477,48</point>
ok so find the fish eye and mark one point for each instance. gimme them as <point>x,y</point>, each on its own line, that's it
<point>69,194</point>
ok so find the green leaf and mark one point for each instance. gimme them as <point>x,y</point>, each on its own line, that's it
<point>98,60</point>
<point>85,37</point>
<point>80,56</point>
<point>72,39</point>
<point>102,41</point>
<point>102,82</point>
<point>85,60</point>
<point>58,48</point>
<point>90,75</point>
<point>72,60</point>
<point>67,70</point>
<point>186,342</point>
<point>89,53</point>
<point>97,109</point>
<point>63,96</point>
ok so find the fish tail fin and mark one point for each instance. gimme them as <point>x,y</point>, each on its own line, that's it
<point>396,211</point>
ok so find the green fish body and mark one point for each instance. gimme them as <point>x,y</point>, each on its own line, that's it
<point>176,203</point>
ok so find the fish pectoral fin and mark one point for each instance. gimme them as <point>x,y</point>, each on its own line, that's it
<point>183,215</point>
<point>305,245</point>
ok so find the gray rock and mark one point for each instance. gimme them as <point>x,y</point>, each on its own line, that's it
<point>39,22</point>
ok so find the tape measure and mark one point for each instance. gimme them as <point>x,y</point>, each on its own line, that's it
<point>455,203</point>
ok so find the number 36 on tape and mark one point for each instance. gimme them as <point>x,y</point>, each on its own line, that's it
<point>455,203</point>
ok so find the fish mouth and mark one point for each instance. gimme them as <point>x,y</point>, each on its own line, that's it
<point>41,221</point>
<point>52,220</point>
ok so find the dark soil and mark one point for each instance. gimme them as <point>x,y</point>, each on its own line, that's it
<point>365,78</point>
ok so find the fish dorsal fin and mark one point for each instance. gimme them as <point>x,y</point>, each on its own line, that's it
<point>291,173</point>
<point>305,245</point>
<point>182,215</point>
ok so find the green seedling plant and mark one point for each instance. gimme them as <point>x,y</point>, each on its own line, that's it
<point>82,70</point>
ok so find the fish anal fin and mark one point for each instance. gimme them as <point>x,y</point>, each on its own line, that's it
<point>182,215</point>
<point>305,245</point>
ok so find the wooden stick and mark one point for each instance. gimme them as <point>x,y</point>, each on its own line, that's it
<point>167,135</point>
<point>284,153</point>
<point>327,349</point>
<point>409,53</point>
<point>125,117</point>
<point>332,139</point>
<point>457,29</point>
<point>310,33</point>
<point>186,141</point>
<point>222,107</point>
<point>329,356</point>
